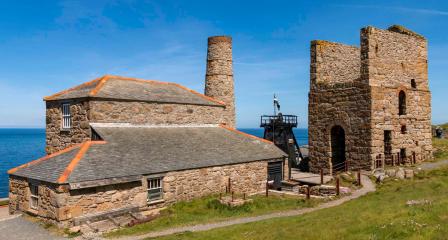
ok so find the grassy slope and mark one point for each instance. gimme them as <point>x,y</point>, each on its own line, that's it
<point>440,148</point>
<point>4,203</point>
<point>210,210</point>
<point>379,215</point>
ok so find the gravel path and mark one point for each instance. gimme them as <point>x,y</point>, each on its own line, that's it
<point>18,228</point>
<point>368,186</point>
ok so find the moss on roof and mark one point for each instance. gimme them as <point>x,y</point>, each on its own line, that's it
<point>403,30</point>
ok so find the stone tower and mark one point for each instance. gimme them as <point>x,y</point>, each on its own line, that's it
<point>219,82</point>
<point>371,103</point>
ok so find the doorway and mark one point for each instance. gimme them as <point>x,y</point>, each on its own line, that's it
<point>338,148</point>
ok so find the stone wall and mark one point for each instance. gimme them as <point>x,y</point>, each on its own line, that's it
<point>84,112</point>
<point>219,83</point>
<point>60,205</point>
<point>189,184</point>
<point>58,139</point>
<point>347,106</point>
<point>105,198</point>
<point>154,113</point>
<point>337,98</point>
<point>333,63</point>
<point>394,59</point>
<point>362,97</point>
<point>50,203</point>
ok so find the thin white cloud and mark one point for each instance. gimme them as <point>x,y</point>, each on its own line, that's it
<point>401,9</point>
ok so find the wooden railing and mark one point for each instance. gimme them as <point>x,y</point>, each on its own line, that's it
<point>394,160</point>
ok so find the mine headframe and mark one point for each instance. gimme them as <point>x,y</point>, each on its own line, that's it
<point>279,129</point>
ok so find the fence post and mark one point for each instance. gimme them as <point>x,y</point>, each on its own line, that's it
<point>413,158</point>
<point>229,185</point>
<point>321,176</point>
<point>244,196</point>
<point>267,188</point>
<point>307,191</point>
<point>232,196</point>
<point>337,185</point>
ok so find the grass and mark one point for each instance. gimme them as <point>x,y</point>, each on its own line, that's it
<point>4,203</point>
<point>209,209</point>
<point>383,214</point>
<point>440,148</point>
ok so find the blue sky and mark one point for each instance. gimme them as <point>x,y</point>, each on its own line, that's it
<point>47,46</point>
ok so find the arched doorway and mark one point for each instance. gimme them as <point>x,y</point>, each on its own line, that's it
<point>338,148</point>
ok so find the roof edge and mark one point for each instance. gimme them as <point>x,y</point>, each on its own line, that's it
<point>105,78</point>
<point>74,162</point>
<point>51,97</point>
<point>130,125</point>
<point>13,170</point>
<point>245,134</point>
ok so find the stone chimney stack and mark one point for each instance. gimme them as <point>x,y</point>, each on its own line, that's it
<point>219,75</point>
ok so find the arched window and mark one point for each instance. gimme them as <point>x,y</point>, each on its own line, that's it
<point>401,103</point>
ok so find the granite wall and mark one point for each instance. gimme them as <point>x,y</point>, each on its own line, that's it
<point>58,204</point>
<point>219,83</point>
<point>154,113</point>
<point>395,60</point>
<point>57,138</point>
<point>358,90</point>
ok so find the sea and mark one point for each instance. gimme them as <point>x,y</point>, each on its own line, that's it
<point>21,145</point>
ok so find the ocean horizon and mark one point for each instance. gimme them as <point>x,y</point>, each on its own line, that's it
<point>22,145</point>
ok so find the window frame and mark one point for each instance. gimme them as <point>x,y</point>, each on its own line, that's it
<point>66,123</point>
<point>34,196</point>
<point>154,184</point>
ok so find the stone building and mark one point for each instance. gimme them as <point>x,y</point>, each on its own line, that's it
<point>118,145</point>
<point>369,102</point>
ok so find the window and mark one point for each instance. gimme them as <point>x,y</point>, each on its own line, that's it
<point>403,129</point>
<point>66,117</point>
<point>401,103</point>
<point>34,196</point>
<point>154,189</point>
<point>413,84</point>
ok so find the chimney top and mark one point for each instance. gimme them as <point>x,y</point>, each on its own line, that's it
<point>218,39</point>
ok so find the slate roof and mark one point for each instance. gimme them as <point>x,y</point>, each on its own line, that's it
<point>137,151</point>
<point>124,88</point>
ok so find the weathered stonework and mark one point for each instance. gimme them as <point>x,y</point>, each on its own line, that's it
<point>154,113</point>
<point>189,184</point>
<point>105,198</point>
<point>358,90</point>
<point>219,83</point>
<point>60,205</point>
<point>52,199</point>
<point>58,138</point>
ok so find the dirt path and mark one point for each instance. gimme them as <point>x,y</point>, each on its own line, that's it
<point>433,165</point>
<point>368,186</point>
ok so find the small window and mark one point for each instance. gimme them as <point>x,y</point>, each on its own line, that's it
<point>155,191</point>
<point>401,103</point>
<point>66,117</point>
<point>34,196</point>
<point>413,84</point>
<point>403,129</point>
